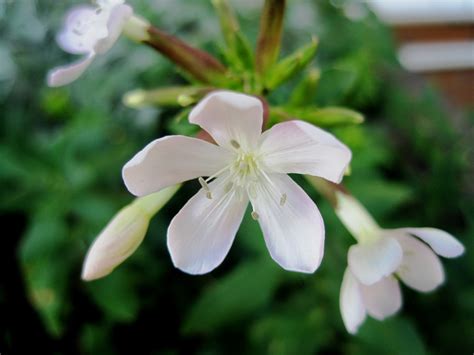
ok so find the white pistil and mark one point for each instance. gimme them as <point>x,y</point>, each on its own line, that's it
<point>209,195</point>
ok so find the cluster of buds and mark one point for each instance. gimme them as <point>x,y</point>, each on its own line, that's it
<point>242,155</point>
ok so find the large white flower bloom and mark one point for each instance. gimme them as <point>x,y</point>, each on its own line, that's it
<point>89,30</point>
<point>381,258</point>
<point>246,165</point>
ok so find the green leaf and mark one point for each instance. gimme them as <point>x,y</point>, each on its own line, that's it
<point>234,297</point>
<point>305,91</point>
<point>116,295</point>
<point>238,50</point>
<point>393,336</point>
<point>291,65</point>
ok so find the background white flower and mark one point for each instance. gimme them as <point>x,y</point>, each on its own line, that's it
<point>246,165</point>
<point>89,30</point>
<point>381,258</point>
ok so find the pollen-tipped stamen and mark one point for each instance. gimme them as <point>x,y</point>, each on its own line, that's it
<point>204,184</point>
<point>235,144</point>
<point>255,215</point>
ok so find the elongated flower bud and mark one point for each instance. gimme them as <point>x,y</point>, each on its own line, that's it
<point>269,40</point>
<point>123,235</point>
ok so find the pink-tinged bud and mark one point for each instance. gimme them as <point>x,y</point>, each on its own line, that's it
<point>119,239</point>
<point>200,64</point>
<point>123,235</point>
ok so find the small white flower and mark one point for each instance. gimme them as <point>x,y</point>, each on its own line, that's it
<point>381,258</point>
<point>89,30</point>
<point>246,165</point>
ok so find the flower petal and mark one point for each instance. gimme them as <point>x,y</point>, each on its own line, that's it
<point>383,298</point>
<point>421,269</point>
<point>291,223</point>
<point>71,40</point>
<point>350,302</point>
<point>201,234</point>
<point>228,116</point>
<point>441,242</point>
<point>370,262</point>
<point>171,160</point>
<point>119,239</point>
<point>67,74</point>
<point>119,15</point>
<point>299,147</point>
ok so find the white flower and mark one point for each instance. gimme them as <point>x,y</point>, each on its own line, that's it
<point>89,30</point>
<point>123,235</point>
<point>246,165</point>
<point>381,258</point>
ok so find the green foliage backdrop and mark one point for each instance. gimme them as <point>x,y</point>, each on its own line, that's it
<point>61,154</point>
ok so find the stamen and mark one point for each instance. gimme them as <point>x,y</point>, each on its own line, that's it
<point>255,215</point>
<point>235,144</point>
<point>204,184</point>
<point>209,195</point>
<point>282,200</point>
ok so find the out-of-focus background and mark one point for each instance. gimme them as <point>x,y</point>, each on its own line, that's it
<point>61,153</point>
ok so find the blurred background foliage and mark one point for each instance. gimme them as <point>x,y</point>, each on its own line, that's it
<point>61,154</point>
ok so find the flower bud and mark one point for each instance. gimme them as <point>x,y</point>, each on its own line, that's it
<point>123,235</point>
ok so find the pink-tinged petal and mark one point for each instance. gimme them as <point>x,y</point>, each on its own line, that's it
<point>443,243</point>
<point>370,262</point>
<point>67,74</point>
<point>299,147</point>
<point>201,234</point>
<point>350,302</point>
<point>421,268</point>
<point>77,35</point>
<point>291,223</point>
<point>170,160</point>
<point>119,15</point>
<point>230,117</point>
<point>383,298</point>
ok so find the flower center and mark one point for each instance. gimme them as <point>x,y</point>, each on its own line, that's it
<point>244,175</point>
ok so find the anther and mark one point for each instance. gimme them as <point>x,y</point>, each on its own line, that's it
<point>203,183</point>
<point>283,200</point>
<point>235,144</point>
<point>255,215</point>
<point>209,195</point>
